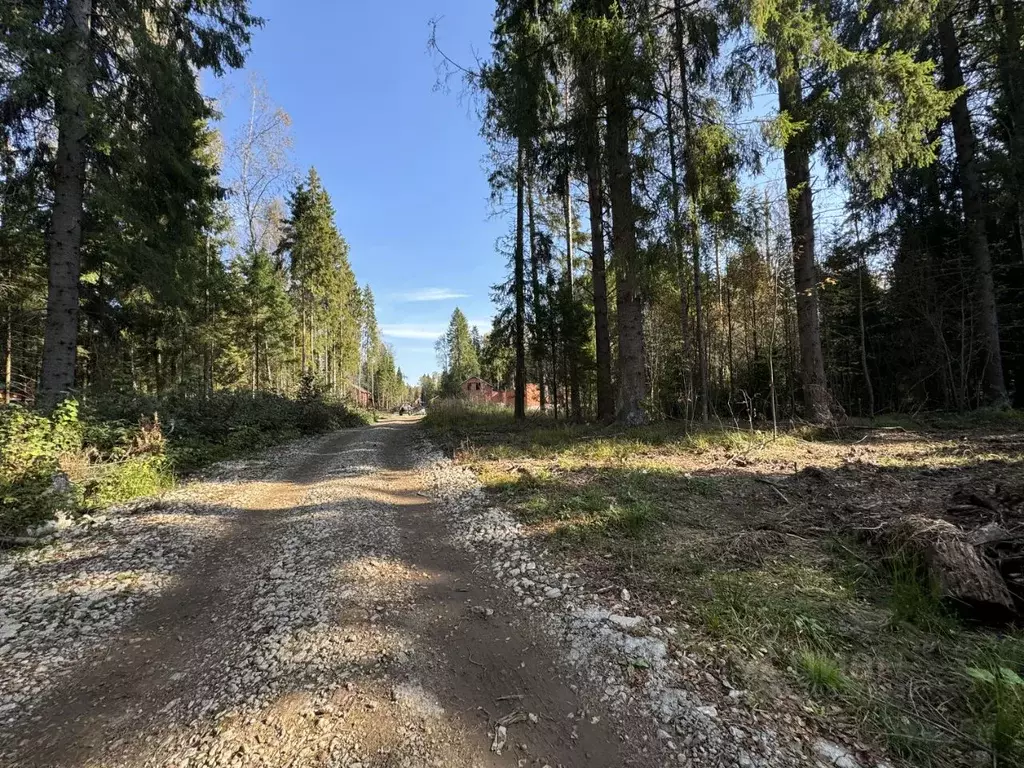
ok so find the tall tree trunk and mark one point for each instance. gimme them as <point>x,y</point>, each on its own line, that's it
<point>520,292</point>
<point>720,314</point>
<point>690,178</point>
<point>574,342</point>
<point>266,364</point>
<point>60,341</point>
<point>595,201</point>
<point>974,213</point>
<point>862,267</point>
<point>208,342</point>
<point>773,272</point>
<point>538,312</point>
<point>553,338</point>
<point>629,306</point>
<point>1008,20</point>
<point>677,239</point>
<point>302,339</point>
<point>8,355</point>
<point>255,365</point>
<point>797,162</point>
<point>729,337</point>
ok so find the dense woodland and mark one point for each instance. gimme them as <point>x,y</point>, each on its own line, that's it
<point>143,251</point>
<point>746,209</point>
<point>757,208</point>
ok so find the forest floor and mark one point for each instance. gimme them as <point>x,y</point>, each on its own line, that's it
<point>554,597</point>
<point>762,552</point>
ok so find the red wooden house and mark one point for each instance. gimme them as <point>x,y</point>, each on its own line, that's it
<point>480,391</point>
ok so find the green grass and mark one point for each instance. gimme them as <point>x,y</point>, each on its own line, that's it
<point>490,432</point>
<point>114,482</point>
<point>915,598</point>
<point>618,501</point>
<point>779,608</point>
<point>983,418</point>
<point>821,673</point>
<point>114,450</point>
<point>997,704</point>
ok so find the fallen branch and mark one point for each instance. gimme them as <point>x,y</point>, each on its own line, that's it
<point>774,487</point>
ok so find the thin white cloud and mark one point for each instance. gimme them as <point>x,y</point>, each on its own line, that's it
<point>411,331</point>
<point>432,294</point>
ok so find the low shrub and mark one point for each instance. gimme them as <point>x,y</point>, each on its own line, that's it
<point>32,450</point>
<point>114,449</point>
<point>997,701</point>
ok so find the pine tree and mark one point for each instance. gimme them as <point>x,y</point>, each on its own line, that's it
<point>111,67</point>
<point>327,299</point>
<point>457,354</point>
<point>265,316</point>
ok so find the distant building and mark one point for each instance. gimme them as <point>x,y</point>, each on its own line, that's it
<point>480,391</point>
<point>361,397</point>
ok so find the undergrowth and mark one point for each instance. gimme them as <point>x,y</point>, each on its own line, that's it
<point>107,451</point>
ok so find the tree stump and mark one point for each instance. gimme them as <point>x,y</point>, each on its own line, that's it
<point>959,566</point>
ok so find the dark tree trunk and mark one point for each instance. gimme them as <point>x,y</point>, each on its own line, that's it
<point>519,280</point>
<point>629,306</point>
<point>690,178</point>
<point>538,311</point>
<point>595,199</point>
<point>797,162</point>
<point>862,268</point>
<point>974,213</point>
<point>60,341</point>
<point>8,356</point>
<point>677,244</point>
<point>1008,19</point>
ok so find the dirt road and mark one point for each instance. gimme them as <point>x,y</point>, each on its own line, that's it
<point>310,609</point>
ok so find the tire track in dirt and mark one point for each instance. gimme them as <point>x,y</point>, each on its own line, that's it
<point>330,621</point>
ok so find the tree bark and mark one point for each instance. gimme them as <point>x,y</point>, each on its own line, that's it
<point>519,279</point>
<point>538,312</point>
<point>862,267</point>
<point>677,241</point>
<point>60,341</point>
<point>773,272</point>
<point>974,212</point>
<point>574,342</point>
<point>8,356</point>
<point>690,179</point>
<point>632,376</point>
<point>595,201</point>
<point>1009,21</point>
<point>797,162</point>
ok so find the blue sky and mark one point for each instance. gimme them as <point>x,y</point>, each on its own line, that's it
<point>403,162</point>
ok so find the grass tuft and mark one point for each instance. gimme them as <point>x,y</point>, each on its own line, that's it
<point>821,673</point>
<point>914,597</point>
<point>997,704</point>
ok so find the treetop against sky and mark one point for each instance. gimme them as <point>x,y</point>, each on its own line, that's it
<point>402,161</point>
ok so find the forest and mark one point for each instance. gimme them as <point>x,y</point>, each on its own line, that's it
<point>142,249</point>
<point>173,290</point>
<point>755,209</point>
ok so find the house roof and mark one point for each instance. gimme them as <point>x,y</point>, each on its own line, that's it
<point>475,378</point>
